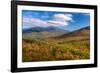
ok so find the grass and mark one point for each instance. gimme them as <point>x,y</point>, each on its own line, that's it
<point>50,49</point>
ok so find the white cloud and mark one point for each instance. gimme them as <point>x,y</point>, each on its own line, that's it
<point>63,17</point>
<point>58,20</point>
<point>34,22</point>
<point>58,23</point>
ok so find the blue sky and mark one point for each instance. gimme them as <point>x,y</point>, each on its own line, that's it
<point>64,20</point>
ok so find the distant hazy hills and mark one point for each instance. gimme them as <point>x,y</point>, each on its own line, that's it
<point>42,29</point>
<point>80,32</point>
<point>46,32</point>
<point>43,32</point>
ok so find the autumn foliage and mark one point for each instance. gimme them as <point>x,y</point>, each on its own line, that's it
<point>52,49</point>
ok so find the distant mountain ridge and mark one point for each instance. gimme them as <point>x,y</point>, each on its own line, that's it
<point>85,31</point>
<point>41,29</point>
<point>43,32</point>
<point>54,32</point>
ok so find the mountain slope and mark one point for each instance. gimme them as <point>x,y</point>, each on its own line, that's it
<point>41,29</point>
<point>43,32</point>
<point>80,32</point>
<point>70,46</point>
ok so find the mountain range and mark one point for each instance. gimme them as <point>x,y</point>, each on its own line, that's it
<point>42,29</point>
<point>43,32</point>
<point>85,31</point>
<point>48,32</point>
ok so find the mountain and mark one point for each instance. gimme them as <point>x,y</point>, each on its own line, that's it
<point>85,31</point>
<point>54,32</point>
<point>41,29</point>
<point>50,45</point>
<point>43,32</point>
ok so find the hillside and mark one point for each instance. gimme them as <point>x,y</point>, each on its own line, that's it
<point>80,32</point>
<point>43,32</point>
<point>69,46</point>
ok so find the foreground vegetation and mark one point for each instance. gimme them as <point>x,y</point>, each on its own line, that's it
<point>52,49</point>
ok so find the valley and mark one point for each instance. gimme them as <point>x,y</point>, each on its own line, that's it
<point>52,44</point>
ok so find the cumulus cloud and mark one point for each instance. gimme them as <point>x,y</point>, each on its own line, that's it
<point>58,23</point>
<point>57,20</point>
<point>63,17</point>
<point>34,22</point>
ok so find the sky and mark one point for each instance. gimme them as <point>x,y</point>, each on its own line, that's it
<point>65,20</point>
